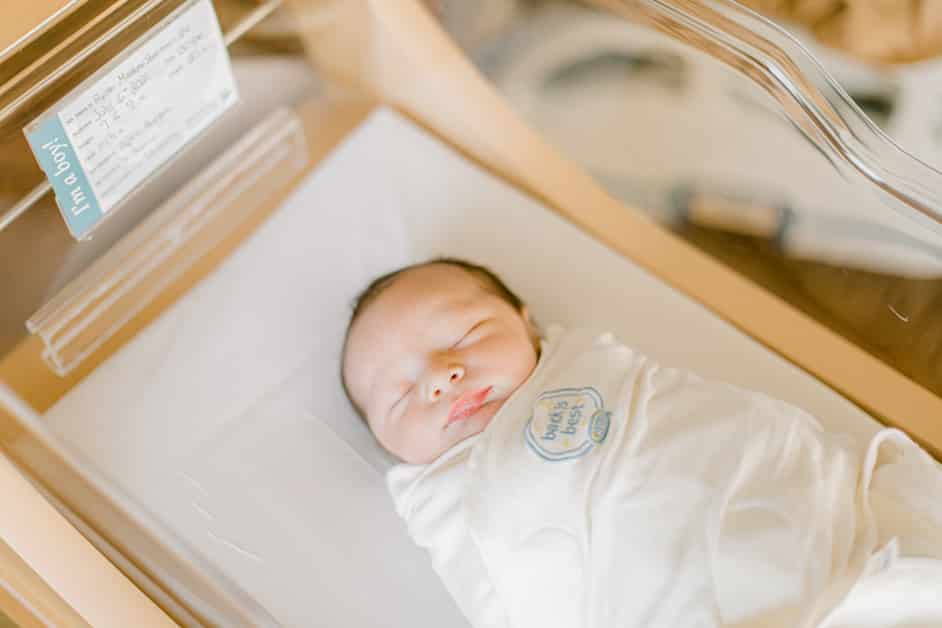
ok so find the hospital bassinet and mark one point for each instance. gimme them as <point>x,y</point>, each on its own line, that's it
<point>169,387</point>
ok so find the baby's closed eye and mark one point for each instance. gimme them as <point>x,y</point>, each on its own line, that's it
<point>470,335</point>
<point>399,403</point>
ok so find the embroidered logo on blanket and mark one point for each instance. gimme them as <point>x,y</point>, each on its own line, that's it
<point>567,423</point>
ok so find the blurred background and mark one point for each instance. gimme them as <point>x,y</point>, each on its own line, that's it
<point>710,155</point>
<point>697,146</point>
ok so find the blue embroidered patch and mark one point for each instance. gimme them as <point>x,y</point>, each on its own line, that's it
<point>567,423</point>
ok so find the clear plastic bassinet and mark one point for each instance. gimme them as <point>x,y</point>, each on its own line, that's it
<point>711,129</point>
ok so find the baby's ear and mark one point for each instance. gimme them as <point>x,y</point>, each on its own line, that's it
<point>531,325</point>
<point>525,314</point>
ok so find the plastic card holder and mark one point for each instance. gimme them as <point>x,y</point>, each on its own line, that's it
<point>30,20</point>
<point>61,53</point>
<point>118,128</point>
<point>89,310</point>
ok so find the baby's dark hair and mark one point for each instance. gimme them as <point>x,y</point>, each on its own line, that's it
<point>380,284</point>
<point>483,274</point>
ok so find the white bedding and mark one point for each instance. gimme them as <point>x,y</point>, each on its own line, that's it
<point>610,491</point>
<point>225,418</point>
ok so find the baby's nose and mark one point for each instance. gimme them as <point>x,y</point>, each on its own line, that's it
<point>448,377</point>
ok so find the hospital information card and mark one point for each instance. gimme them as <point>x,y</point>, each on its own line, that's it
<point>131,117</point>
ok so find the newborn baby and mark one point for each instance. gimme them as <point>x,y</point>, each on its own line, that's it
<point>432,353</point>
<point>570,481</point>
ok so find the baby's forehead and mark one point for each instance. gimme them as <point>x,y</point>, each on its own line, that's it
<point>414,300</point>
<point>416,296</point>
<point>433,286</point>
<point>413,307</point>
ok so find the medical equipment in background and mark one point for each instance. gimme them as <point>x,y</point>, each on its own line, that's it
<point>797,232</point>
<point>648,117</point>
<point>558,58</point>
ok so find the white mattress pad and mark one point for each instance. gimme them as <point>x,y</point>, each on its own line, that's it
<point>225,417</point>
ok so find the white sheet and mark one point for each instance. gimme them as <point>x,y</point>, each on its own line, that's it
<point>225,418</point>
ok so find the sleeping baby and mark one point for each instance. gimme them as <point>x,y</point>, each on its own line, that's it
<point>567,480</point>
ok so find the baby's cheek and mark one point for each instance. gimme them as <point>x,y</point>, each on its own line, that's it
<point>422,439</point>
<point>514,356</point>
<point>524,365</point>
<point>399,439</point>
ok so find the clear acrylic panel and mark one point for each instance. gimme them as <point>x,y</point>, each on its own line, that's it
<point>37,256</point>
<point>792,163</point>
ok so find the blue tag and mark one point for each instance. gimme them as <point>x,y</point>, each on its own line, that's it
<point>57,158</point>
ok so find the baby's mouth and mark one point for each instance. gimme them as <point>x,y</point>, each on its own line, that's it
<point>467,404</point>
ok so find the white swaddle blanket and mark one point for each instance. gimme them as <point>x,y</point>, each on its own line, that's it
<point>611,491</point>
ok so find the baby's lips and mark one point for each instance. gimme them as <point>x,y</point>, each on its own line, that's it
<point>467,404</point>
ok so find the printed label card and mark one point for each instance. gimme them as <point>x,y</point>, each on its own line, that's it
<point>126,121</point>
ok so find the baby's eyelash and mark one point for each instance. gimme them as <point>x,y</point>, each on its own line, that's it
<point>469,332</point>
<point>402,398</point>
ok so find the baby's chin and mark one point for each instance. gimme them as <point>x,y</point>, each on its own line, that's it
<point>458,431</point>
<point>472,425</point>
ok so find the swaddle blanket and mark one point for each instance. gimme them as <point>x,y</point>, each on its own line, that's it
<point>611,491</point>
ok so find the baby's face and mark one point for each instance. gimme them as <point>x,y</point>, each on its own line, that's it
<point>433,359</point>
